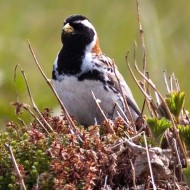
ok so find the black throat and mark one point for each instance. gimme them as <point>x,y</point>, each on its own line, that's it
<point>70,59</point>
<point>73,50</point>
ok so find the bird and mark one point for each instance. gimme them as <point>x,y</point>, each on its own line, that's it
<point>81,69</point>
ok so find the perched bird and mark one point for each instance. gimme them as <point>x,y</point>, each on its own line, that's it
<point>81,68</point>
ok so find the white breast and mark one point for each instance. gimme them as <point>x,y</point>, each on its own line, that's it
<point>77,98</point>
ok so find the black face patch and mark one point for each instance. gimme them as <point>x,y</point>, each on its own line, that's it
<point>81,35</point>
<point>74,45</point>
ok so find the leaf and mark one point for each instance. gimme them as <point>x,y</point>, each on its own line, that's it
<point>184,132</point>
<point>186,173</point>
<point>158,128</point>
<point>175,102</point>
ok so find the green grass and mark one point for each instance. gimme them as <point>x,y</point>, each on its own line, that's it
<point>167,39</point>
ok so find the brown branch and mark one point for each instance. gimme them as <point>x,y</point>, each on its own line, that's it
<point>31,98</point>
<point>167,110</point>
<point>33,115</point>
<point>74,128</point>
<point>141,85</point>
<point>149,163</point>
<point>22,122</point>
<point>142,37</point>
<point>134,175</point>
<point>97,101</point>
<point>178,158</point>
<point>109,123</point>
<point>124,99</point>
<point>22,184</point>
<point>166,82</point>
<point>105,182</point>
<point>124,117</point>
<point>148,97</point>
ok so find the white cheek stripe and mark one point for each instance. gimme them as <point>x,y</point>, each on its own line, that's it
<point>87,24</point>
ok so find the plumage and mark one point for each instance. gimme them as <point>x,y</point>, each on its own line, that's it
<point>80,68</point>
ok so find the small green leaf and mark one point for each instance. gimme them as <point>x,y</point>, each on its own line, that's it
<point>158,128</point>
<point>184,132</point>
<point>186,173</point>
<point>175,102</point>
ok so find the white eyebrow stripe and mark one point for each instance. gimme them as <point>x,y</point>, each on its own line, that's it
<point>86,23</point>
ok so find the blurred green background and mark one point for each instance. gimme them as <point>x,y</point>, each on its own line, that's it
<point>167,37</point>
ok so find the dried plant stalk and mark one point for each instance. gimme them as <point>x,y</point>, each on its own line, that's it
<point>22,184</point>
<point>32,100</point>
<point>74,128</point>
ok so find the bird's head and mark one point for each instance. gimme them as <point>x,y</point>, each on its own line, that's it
<point>79,33</point>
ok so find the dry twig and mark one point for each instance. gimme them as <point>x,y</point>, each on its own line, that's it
<point>142,37</point>
<point>134,175</point>
<point>22,184</point>
<point>149,164</point>
<point>124,99</point>
<point>74,128</point>
<point>32,100</point>
<point>97,101</point>
<point>167,110</point>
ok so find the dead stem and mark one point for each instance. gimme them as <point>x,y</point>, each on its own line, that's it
<point>141,85</point>
<point>124,117</point>
<point>124,99</point>
<point>32,100</point>
<point>178,187</point>
<point>176,133</point>
<point>22,184</point>
<point>148,97</point>
<point>33,115</point>
<point>97,101</point>
<point>171,84</point>
<point>133,174</point>
<point>142,37</point>
<point>22,122</point>
<point>166,82</point>
<point>74,128</point>
<point>178,157</point>
<point>105,182</point>
<point>109,123</point>
<point>149,164</point>
<point>177,87</point>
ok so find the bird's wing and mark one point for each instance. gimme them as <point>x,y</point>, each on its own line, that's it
<point>108,65</point>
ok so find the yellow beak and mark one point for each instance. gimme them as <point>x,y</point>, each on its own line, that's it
<point>68,28</point>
